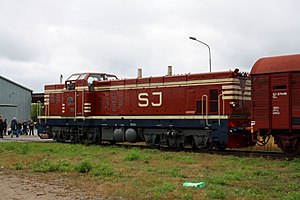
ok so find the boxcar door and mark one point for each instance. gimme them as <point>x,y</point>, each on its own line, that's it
<point>280,111</point>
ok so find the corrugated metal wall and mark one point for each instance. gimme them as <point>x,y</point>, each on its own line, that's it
<point>15,100</point>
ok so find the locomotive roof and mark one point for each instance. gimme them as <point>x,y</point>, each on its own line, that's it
<point>276,64</point>
<point>84,75</point>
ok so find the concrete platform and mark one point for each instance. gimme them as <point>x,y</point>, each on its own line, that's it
<point>24,138</point>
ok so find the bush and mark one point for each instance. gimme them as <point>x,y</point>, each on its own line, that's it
<point>103,170</point>
<point>84,166</point>
<point>64,166</point>
<point>18,166</point>
<point>44,165</point>
<point>133,154</point>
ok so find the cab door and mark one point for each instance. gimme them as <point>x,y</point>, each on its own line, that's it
<point>68,105</point>
<point>73,103</point>
<point>280,110</point>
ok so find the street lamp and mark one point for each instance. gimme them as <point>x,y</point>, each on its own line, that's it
<point>193,38</point>
<point>38,109</point>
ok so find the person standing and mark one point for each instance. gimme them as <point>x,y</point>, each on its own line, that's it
<point>4,127</point>
<point>1,127</point>
<point>31,127</point>
<point>19,124</point>
<point>24,127</point>
<point>14,127</point>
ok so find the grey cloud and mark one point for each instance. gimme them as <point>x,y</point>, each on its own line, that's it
<point>118,36</point>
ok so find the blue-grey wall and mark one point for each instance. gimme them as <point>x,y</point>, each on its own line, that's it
<point>15,100</point>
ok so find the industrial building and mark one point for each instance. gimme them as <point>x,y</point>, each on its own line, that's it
<point>15,100</point>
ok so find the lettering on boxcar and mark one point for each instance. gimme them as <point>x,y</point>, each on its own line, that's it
<point>144,100</point>
<point>277,94</point>
<point>276,110</point>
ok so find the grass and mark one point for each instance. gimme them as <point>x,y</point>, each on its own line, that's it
<point>152,174</point>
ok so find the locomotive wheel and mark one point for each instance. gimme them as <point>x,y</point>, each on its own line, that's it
<point>289,144</point>
<point>112,142</point>
<point>200,143</point>
<point>221,147</point>
<point>207,147</point>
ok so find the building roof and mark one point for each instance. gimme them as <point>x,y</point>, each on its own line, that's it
<point>37,97</point>
<point>17,84</point>
<point>277,64</point>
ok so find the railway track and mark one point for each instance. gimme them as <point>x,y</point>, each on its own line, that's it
<point>262,154</point>
<point>239,153</point>
<point>230,152</point>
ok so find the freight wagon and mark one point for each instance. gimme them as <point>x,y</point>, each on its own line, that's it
<point>276,101</point>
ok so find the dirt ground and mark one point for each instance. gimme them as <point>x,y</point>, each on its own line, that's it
<point>16,185</point>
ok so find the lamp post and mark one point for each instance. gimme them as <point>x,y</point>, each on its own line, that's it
<point>38,109</point>
<point>193,38</point>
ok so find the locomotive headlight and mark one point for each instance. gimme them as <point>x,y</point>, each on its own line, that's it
<point>233,130</point>
<point>232,103</point>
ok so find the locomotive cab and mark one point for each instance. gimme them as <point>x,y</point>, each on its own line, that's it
<point>87,79</point>
<point>78,98</point>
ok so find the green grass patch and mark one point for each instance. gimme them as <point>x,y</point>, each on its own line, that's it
<point>162,190</point>
<point>84,166</point>
<point>44,165</point>
<point>103,170</point>
<point>152,174</point>
<point>18,166</point>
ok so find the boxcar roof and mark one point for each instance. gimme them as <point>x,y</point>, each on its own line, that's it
<point>276,64</point>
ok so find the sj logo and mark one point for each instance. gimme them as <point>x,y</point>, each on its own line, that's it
<point>144,99</point>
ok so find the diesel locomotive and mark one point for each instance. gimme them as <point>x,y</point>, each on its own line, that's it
<point>205,111</point>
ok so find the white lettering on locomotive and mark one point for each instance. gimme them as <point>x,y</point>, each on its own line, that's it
<point>159,94</point>
<point>143,97</point>
<point>144,101</point>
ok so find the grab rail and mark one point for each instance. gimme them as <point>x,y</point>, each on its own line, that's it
<point>220,97</point>
<point>206,107</point>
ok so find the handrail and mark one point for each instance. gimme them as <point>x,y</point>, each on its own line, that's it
<point>219,107</point>
<point>75,104</point>
<point>206,107</point>
<point>82,104</point>
<point>38,110</point>
<point>48,107</point>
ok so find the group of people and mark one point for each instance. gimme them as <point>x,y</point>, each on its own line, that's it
<point>16,127</point>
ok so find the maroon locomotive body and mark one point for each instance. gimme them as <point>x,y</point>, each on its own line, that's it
<point>202,110</point>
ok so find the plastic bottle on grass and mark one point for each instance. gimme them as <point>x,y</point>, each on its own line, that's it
<point>196,185</point>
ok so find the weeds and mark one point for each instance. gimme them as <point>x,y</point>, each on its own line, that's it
<point>103,170</point>
<point>216,192</point>
<point>186,196</point>
<point>18,166</point>
<point>133,154</point>
<point>44,165</point>
<point>84,166</point>
<point>162,190</point>
<point>64,166</point>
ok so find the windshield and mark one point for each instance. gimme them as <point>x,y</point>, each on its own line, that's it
<point>77,76</point>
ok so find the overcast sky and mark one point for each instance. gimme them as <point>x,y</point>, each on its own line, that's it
<point>41,39</point>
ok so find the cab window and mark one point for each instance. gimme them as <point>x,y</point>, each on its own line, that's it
<point>110,77</point>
